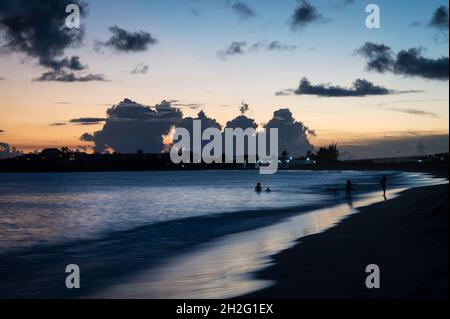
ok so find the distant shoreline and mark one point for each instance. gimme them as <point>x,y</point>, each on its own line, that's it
<point>11,166</point>
<point>407,237</point>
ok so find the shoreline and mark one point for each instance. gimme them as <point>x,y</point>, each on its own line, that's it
<point>407,237</point>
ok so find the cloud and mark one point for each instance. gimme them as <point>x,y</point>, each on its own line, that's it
<point>242,47</point>
<point>192,106</point>
<point>131,126</point>
<point>292,135</point>
<point>285,92</point>
<point>35,28</point>
<point>409,62</point>
<point>242,10</point>
<point>2,78</point>
<point>360,88</point>
<point>278,46</point>
<point>140,68</point>
<point>235,48</point>
<point>304,15</point>
<point>86,137</point>
<point>412,111</point>
<point>58,124</point>
<point>88,120</point>
<point>124,41</point>
<point>439,19</point>
<point>62,76</point>
<point>242,122</point>
<point>2,131</point>
<point>194,11</point>
<point>205,121</point>
<point>8,152</point>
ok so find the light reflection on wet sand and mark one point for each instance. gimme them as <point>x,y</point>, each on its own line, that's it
<point>224,267</point>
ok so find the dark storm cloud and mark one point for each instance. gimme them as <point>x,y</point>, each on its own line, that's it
<point>439,19</point>
<point>140,68</point>
<point>360,88</point>
<point>124,41</point>
<point>242,10</point>
<point>409,62</point>
<point>131,126</point>
<point>292,135</point>
<point>304,15</point>
<point>88,121</point>
<point>36,29</point>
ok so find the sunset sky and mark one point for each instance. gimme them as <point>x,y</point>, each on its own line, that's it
<point>189,56</point>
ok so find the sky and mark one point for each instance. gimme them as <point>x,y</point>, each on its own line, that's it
<point>212,55</point>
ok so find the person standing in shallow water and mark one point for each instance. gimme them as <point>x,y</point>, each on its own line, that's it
<point>349,188</point>
<point>258,188</point>
<point>383,185</point>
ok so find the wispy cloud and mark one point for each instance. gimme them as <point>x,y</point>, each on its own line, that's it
<point>88,120</point>
<point>242,47</point>
<point>241,9</point>
<point>412,111</point>
<point>140,68</point>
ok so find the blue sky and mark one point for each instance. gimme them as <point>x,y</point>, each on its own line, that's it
<point>184,65</point>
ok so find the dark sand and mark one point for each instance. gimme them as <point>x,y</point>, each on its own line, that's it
<point>406,237</point>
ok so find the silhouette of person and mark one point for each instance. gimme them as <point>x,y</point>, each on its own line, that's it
<point>268,190</point>
<point>349,189</point>
<point>383,185</point>
<point>258,188</point>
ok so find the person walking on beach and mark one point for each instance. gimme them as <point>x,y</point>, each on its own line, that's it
<point>383,185</point>
<point>349,189</point>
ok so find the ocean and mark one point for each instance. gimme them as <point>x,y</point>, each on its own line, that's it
<point>124,228</point>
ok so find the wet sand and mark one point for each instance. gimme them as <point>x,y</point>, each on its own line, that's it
<point>407,237</point>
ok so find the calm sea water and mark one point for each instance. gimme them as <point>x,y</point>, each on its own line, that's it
<point>116,224</point>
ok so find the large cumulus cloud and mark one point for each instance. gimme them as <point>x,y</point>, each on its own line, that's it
<point>292,135</point>
<point>131,126</point>
<point>8,152</point>
<point>205,122</point>
<point>36,29</point>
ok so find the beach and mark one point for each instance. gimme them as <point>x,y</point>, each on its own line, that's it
<point>407,237</point>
